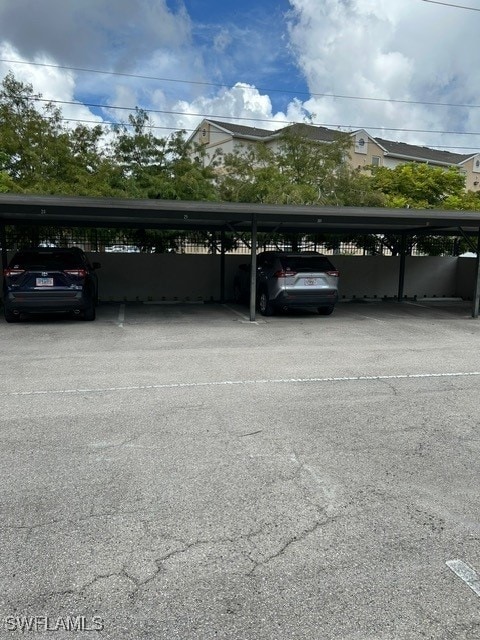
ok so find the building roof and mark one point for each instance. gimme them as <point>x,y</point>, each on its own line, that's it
<point>416,152</point>
<point>242,130</point>
<point>401,150</point>
<point>313,132</point>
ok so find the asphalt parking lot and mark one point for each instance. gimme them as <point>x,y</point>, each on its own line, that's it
<point>175,471</point>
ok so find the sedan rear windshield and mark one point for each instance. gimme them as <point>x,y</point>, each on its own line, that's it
<point>307,265</point>
<point>47,260</point>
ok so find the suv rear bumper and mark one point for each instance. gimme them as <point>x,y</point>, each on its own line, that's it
<point>289,299</point>
<point>45,301</point>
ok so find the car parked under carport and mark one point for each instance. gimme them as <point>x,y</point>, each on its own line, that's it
<point>287,280</point>
<point>50,280</point>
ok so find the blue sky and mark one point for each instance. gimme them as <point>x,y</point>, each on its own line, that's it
<point>251,45</point>
<point>339,63</point>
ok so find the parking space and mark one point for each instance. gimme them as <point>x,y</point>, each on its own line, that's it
<point>183,473</point>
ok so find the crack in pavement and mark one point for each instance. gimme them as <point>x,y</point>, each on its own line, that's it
<point>391,386</point>
<point>320,516</point>
<point>47,595</point>
<point>187,546</point>
<point>50,523</point>
<point>190,545</point>
<point>106,576</point>
<point>329,492</point>
<point>324,517</point>
<point>297,538</point>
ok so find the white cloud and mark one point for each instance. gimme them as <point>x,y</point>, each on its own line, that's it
<point>396,49</point>
<point>402,50</point>
<point>116,34</point>
<point>221,41</point>
<point>54,84</point>
<point>242,103</point>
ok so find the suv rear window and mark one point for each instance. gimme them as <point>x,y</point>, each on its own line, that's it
<point>48,259</point>
<point>304,264</point>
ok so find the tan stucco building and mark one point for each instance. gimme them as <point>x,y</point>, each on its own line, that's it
<point>366,150</point>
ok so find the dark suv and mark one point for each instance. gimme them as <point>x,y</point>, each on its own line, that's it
<point>286,280</point>
<point>49,280</point>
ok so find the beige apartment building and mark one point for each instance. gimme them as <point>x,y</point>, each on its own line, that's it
<point>366,151</point>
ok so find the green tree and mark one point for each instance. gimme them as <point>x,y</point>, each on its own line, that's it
<point>25,133</point>
<point>419,186</point>
<point>163,168</point>
<point>300,170</point>
<point>40,155</point>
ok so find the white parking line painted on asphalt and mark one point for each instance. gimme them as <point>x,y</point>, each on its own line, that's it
<point>417,304</point>
<point>245,318</point>
<point>361,315</point>
<point>121,315</point>
<point>226,383</point>
<point>465,573</point>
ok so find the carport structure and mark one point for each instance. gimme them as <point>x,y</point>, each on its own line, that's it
<point>223,217</point>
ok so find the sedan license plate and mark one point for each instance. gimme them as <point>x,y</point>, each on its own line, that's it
<point>44,282</point>
<point>310,282</point>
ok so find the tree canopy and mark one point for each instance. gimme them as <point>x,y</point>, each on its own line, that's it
<point>41,154</point>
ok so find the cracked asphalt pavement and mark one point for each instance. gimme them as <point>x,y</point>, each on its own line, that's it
<point>186,475</point>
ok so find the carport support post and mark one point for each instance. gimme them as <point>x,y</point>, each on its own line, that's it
<point>3,242</point>
<point>222,266</point>
<point>401,274</point>
<point>253,269</point>
<point>476,292</point>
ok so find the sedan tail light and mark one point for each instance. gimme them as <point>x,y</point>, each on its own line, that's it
<point>333,273</point>
<point>79,273</point>
<point>284,273</point>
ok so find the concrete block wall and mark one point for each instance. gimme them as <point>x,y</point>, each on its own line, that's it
<point>143,276</point>
<point>171,277</point>
<point>465,277</point>
<point>377,276</point>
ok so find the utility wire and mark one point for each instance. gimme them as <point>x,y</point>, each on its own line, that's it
<point>188,130</point>
<point>266,90</point>
<point>237,118</point>
<point>210,116</point>
<point>456,6</point>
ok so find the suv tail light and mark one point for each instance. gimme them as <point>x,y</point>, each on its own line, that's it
<point>333,273</point>
<point>79,273</point>
<point>13,272</point>
<point>284,273</point>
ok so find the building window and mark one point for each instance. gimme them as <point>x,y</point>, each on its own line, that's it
<point>376,161</point>
<point>205,135</point>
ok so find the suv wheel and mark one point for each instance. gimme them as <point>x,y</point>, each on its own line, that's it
<point>264,304</point>
<point>325,311</point>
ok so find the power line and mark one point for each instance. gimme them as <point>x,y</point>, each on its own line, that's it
<point>456,6</point>
<point>210,116</point>
<point>189,130</point>
<point>266,90</point>
<point>236,118</point>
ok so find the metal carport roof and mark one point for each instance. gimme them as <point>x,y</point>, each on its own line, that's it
<point>75,211</point>
<point>194,215</point>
